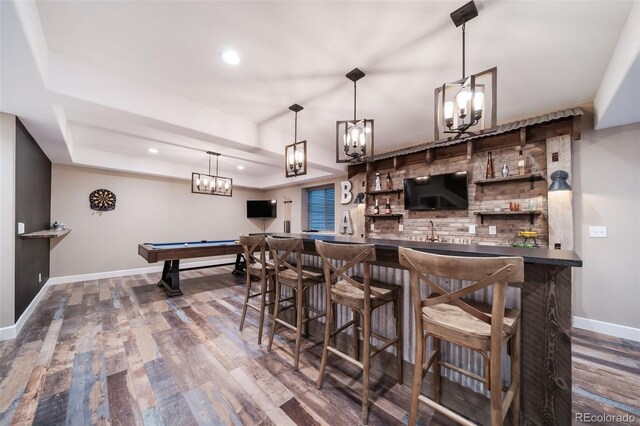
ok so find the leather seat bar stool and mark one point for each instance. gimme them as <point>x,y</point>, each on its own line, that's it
<point>299,279</point>
<point>363,296</point>
<point>483,328</point>
<point>257,265</point>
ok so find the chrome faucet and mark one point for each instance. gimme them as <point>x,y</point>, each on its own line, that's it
<point>432,238</point>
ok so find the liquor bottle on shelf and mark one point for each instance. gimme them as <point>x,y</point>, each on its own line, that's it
<point>387,207</point>
<point>376,208</point>
<point>490,173</point>
<point>389,181</point>
<point>520,163</point>
<point>378,186</point>
<point>505,170</point>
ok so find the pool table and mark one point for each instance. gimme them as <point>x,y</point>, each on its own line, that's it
<point>172,253</point>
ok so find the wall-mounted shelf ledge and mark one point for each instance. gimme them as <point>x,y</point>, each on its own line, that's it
<point>48,233</point>
<point>532,177</point>
<point>385,191</point>
<point>532,214</point>
<point>385,216</point>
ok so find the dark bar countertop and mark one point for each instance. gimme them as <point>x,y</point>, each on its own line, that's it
<point>530,255</point>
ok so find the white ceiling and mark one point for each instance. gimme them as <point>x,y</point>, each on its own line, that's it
<point>115,78</point>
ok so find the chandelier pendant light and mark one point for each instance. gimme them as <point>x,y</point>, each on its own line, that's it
<point>295,155</point>
<point>354,138</point>
<point>209,184</point>
<point>466,106</point>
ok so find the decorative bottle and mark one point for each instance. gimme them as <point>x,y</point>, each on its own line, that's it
<point>387,207</point>
<point>520,163</point>
<point>490,173</point>
<point>389,181</point>
<point>376,208</point>
<point>505,170</point>
<point>378,183</point>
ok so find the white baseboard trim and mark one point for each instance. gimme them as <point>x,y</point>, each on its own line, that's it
<point>149,269</point>
<point>611,329</point>
<point>7,333</point>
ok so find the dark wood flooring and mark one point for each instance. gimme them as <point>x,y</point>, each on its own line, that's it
<point>117,351</point>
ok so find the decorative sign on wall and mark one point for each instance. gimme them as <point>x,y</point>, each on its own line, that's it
<point>345,223</point>
<point>346,196</point>
<point>102,200</point>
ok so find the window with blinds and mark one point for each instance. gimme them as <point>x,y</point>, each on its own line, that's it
<point>321,209</point>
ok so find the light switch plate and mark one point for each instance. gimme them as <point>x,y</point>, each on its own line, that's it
<point>372,227</point>
<point>492,230</point>
<point>20,228</point>
<point>598,231</point>
<point>401,227</point>
<point>472,229</point>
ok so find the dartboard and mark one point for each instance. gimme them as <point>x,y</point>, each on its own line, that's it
<point>102,200</point>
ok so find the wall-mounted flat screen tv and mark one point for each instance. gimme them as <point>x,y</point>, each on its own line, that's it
<point>438,192</point>
<point>262,208</point>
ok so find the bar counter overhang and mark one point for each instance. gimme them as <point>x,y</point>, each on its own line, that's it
<point>545,304</point>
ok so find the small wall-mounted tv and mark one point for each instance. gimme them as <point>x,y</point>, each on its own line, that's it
<point>439,192</point>
<point>262,208</point>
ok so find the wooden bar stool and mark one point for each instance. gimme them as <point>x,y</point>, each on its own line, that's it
<point>482,328</point>
<point>363,296</point>
<point>299,279</point>
<point>257,265</point>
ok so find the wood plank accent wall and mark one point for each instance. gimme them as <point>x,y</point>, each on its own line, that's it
<point>560,202</point>
<point>453,226</point>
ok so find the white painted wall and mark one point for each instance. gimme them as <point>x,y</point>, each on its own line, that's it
<point>148,209</point>
<point>7,218</point>
<point>606,189</point>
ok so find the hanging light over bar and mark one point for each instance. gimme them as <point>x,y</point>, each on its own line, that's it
<point>466,106</point>
<point>354,138</point>
<point>295,155</point>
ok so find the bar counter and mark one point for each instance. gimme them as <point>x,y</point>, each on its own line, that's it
<point>544,301</point>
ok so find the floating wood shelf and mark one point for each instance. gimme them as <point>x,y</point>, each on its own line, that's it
<point>518,178</point>
<point>48,233</point>
<point>385,191</point>
<point>532,214</point>
<point>385,216</point>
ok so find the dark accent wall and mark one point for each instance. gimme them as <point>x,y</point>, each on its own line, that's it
<point>33,208</point>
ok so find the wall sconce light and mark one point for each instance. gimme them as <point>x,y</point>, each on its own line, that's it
<point>295,155</point>
<point>354,138</point>
<point>559,181</point>
<point>466,106</point>
<point>209,184</point>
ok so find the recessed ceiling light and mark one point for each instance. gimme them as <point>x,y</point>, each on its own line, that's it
<point>240,167</point>
<point>231,57</point>
<point>153,150</point>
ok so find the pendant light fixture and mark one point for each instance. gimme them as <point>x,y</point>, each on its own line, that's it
<point>354,138</point>
<point>211,184</point>
<point>466,106</point>
<point>295,155</point>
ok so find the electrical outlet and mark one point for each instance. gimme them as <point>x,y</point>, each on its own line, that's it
<point>39,278</point>
<point>492,230</point>
<point>598,231</point>
<point>472,229</point>
<point>20,228</point>
<point>401,227</point>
